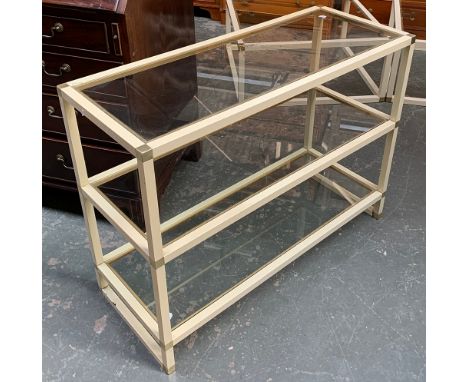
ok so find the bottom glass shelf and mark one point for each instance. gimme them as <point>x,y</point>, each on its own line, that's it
<point>207,271</point>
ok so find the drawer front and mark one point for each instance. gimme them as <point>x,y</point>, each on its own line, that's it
<point>52,119</point>
<point>57,163</point>
<point>84,35</point>
<point>380,9</point>
<point>60,68</point>
<point>413,18</point>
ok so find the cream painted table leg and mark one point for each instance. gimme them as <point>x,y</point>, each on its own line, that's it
<point>148,188</point>
<point>76,151</point>
<point>232,62</point>
<point>387,66</point>
<point>313,67</point>
<point>395,115</point>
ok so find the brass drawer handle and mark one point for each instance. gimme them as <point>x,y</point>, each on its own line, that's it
<point>56,28</point>
<point>51,112</point>
<point>61,158</point>
<point>411,16</point>
<point>64,68</point>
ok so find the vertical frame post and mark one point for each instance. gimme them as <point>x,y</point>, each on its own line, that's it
<point>395,115</point>
<point>344,23</point>
<point>228,21</point>
<point>387,66</point>
<point>81,175</point>
<point>241,83</point>
<point>147,177</point>
<point>232,62</point>
<point>234,22</point>
<point>313,67</point>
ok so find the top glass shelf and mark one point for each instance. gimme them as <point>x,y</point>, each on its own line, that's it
<point>169,93</point>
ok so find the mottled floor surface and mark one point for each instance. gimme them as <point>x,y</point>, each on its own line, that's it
<point>352,309</point>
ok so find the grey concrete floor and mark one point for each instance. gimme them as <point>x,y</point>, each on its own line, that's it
<point>352,309</point>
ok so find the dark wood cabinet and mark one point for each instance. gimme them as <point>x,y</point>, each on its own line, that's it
<point>84,36</point>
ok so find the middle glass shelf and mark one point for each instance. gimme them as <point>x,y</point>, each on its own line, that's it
<point>237,162</point>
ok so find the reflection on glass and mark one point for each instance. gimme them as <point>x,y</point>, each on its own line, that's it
<point>338,124</point>
<point>176,94</point>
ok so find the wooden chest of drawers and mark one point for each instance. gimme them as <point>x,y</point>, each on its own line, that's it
<point>413,17</point>
<point>83,37</point>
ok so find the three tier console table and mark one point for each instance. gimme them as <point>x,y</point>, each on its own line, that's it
<point>236,107</point>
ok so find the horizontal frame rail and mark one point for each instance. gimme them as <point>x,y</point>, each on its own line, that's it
<point>193,132</point>
<point>331,101</point>
<point>319,100</point>
<point>202,232</point>
<point>306,45</point>
<point>120,221</point>
<point>113,173</point>
<point>414,101</point>
<point>104,120</point>
<point>118,253</point>
<point>240,290</point>
<point>130,300</point>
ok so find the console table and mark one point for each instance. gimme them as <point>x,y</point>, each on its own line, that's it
<point>295,163</point>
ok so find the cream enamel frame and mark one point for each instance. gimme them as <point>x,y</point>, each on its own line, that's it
<point>154,328</point>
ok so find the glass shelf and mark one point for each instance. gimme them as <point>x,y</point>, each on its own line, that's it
<point>275,122</point>
<point>154,96</point>
<point>199,276</point>
<point>270,138</point>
